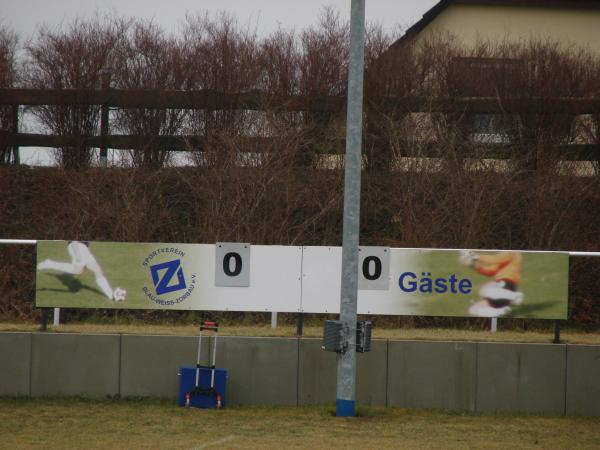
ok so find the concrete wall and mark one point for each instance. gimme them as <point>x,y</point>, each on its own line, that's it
<point>432,375</point>
<point>521,377</point>
<point>317,371</point>
<point>463,376</point>
<point>149,364</point>
<point>74,364</point>
<point>15,363</point>
<point>583,380</point>
<point>261,371</point>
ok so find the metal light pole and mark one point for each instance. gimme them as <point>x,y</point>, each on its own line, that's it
<point>346,360</point>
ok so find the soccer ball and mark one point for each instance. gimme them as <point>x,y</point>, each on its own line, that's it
<point>467,257</point>
<point>119,294</point>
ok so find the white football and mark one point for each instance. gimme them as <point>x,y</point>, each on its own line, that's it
<point>119,294</point>
<point>467,257</point>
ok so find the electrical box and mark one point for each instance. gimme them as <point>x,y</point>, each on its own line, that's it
<point>363,336</point>
<point>333,336</point>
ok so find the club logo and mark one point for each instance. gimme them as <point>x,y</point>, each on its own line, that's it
<point>169,270</point>
<point>168,277</point>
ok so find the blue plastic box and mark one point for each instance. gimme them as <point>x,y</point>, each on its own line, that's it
<point>187,382</point>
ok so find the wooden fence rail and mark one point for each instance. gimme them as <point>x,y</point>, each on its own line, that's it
<point>125,142</point>
<point>571,152</point>
<point>11,139</point>
<point>256,100</point>
<point>162,99</point>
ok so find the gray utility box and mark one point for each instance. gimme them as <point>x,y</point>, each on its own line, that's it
<point>363,336</point>
<point>333,336</point>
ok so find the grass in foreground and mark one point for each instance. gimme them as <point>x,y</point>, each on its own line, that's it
<point>115,424</point>
<point>567,336</point>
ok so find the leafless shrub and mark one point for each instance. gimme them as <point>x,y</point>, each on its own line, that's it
<point>224,58</point>
<point>279,61</point>
<point>323,68</point>
<point>390,73</point>
<point>324,56</point>
<point>72,58</point>
<point>8,77</point>
<point>147,59</point>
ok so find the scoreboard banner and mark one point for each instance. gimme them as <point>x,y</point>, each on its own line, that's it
<point>244,277</point>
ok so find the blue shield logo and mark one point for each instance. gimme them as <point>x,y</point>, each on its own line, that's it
<point>172,278</point>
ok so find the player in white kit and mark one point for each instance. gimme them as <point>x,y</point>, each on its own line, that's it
<point>81,259</point>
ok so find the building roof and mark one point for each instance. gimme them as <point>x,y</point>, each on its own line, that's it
<point>439,7</point>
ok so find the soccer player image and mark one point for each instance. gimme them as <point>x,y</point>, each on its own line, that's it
<point>81,259</point>
<point>499,296</point>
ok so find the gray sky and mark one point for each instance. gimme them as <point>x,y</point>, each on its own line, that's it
<point>24,15</point>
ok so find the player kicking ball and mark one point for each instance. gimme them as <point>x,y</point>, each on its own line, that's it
<point>499,296</point>
<point>81,259</point>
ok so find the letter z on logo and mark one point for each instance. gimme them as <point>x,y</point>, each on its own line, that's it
<point>164,285</point>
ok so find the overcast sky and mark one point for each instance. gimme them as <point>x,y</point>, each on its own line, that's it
<point>24,15</point>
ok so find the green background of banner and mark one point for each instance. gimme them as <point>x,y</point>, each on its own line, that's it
<point>121,264</point>
<point>544,283</point>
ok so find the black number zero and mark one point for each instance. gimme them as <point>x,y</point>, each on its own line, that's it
<point>367,265</point>
<point>227,264</point>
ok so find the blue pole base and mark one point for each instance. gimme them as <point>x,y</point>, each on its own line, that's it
<point>344,408</point>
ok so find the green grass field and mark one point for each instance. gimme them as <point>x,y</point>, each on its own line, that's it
<point>544,284</point>
<point>150,424</point>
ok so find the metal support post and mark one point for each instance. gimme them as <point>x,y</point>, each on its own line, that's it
<point>299,324</point>
<point>346,360</point>
<point>16,159</point>
<point>105,83</point>
<point>493,324</point>
<point>44,320</point>
<point>274,319</point>
<point>556,332</point>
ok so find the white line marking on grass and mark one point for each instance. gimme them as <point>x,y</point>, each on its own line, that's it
<point>220,441</point>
